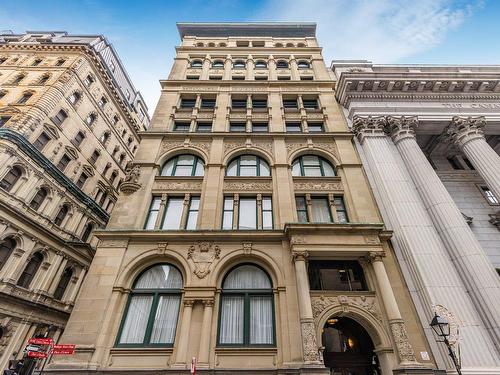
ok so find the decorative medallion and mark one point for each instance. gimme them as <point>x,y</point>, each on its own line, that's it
<point>203,254</point>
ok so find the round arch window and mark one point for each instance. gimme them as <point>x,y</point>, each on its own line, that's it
<point>247,308</point>
<point>312,166</point>
<point>239,64</point>
<point>260,64</point>
<point>196,64</point>
<point>303,64</point>
<point>248,165</point>
<point>218,64</point>
<point>282,64</point>
<point>152,308</point>
<point>183,165</point>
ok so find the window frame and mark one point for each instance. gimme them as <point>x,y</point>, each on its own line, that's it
<point>258,161</point>
<point>156,293</point>
<point>247,293</point>
<point>321,161</point>
<point>175,159</point>
<point>259,211</point>
<point>317,264</point>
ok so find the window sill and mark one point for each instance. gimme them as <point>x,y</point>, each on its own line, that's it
<point>144,349</point>
<point>249,349</point>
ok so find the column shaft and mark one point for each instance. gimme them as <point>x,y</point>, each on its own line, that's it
<point>204,349</point>
<point>180,358</point>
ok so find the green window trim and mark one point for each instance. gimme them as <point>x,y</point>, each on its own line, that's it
<point>175,159</point>
<point>321,162</point>
<point>257,165</point>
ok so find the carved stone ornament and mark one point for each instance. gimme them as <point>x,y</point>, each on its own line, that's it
<point>131,183</point>
<point>317,186</point>
<point>194,185</point>
<point>368,303</point>
<point>463,129</point>
<point>248,186</point>
<point>403,346</point>
<point>452,321</point>
<point>203,254</point>
<point>309,345</point>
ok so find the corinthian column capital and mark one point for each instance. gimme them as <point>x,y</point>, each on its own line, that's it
<point>464,129</point>
<point>402,127</point>
<point>368,126</point>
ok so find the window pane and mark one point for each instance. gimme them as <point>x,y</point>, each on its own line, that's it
<point>173,214</point>
<point>302,216</point>
<point>266,203</point>
<point>327,169</point>
<point>296,168</point>
<point>165,320</point>
<point>228,204</point>
<point>153,213</point>
<point>231,320</point>
<point>192,220</point>
<point>232,168</point>
<point>199,168</point>
<point>261,320</point>
<point>183,170</point>
<point>310,160</point>
<point>134,328</point>
<point>264,168</point>
<point>168,168</point>
<point>267,220</point>
<point>185,160</point>
<point>247,277</point>
<point>320,210</point>
<point>248,160</point>
<point>248,170</point>
<point>312,171</point>
<point>227,222</point>
<point>161,276</point>
<point>247,218</point>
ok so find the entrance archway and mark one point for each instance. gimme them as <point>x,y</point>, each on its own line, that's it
<point>348,348</point>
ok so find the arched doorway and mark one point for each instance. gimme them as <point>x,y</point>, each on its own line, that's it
<point>348,348</point>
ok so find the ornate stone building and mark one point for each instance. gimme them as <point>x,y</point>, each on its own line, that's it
<point>429,137</point>
<point>247,235</point>
<point>69,124</point>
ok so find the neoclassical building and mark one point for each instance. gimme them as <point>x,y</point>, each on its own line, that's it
<point>429,138</point>
<point>247,235</point>
<point>69,123</point>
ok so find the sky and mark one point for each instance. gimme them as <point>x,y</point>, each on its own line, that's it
<point>144,32</point>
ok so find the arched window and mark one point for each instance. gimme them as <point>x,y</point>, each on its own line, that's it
<point>289,45</point>
<point>7,246</point>
<point>218,64</point>
<point>26,96</point>
<point>38,199</point>
<point>199,44</point>
<point>279,45</point>
<point>196,64</point>
<point>121,158</point>
<point>152,308</point>
<point>282,64</point>
<point>63,283</point>
<point>113,177</point>
<point>90,119</point>
<point>129,141</point>
<point>61,215</point>
<point>30,270</point>
<point>11,178</point>
<point>104,137</point>
<point>18,79</point>
<point>248,165</point>
<point>239,64</point>
<point>43,79</point>
<point>312,166</point>
<point>222,45</point>
<point>74,98</point>
<point>302,64</point>
<point>246,311</point>
<point>86,233</point>
<point>183,165</point>
<point>211,44</point>
<point>260,64</point>
<point>301,45</point>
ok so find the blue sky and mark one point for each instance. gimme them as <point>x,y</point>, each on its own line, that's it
<point>383,31</point>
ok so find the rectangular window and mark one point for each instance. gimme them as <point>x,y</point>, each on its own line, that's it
<point>63,162</point>
<point>248,214</point>
<point>260,127</point>
<point>267,213</point>
<point>77,141</point>
<point>238,78</point>
<point>193,77</point>
<point>341,210</point>
<point>306,78</point>
<point>181,126</point>
<point>102,102</point>
<point>60,117</point>
<point>88,80</point>
<point>455,164</point>
<point>320,210</point>
<point>315,127</point>
<point>207,103</point>
<point>188,103</point>
<point>293,127</point>
<point>488,194</point>
<point>94,156</point>
<point>215,78</point>
<point>259,103</point>
<point>228,213</point>
<point>153,213</point>
<point>310,103</point>
<point>336,275</point>
<point>238,103</point>
<point>173,213</point>
<point>300,202</point>
<point>81,180</point>
<point>283,78</point>
<point>41,141</point>
<point>261,78</point>
<point>204,127</point>
<point>290,104</point>
<point>237,127</point>
<point>192,216</point>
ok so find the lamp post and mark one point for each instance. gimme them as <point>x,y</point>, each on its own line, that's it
<point>441,328</point>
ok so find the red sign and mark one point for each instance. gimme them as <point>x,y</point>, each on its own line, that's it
<point>63,349</point>
<point>42,341</point>
<point>37,355</point>
<point>193,366</point>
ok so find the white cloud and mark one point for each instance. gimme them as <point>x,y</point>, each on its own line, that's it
<point>382,31</point>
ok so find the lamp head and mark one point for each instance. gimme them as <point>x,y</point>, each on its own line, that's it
<point>440,326</point>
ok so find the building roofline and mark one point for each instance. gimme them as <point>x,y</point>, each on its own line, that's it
<point>247,29</point>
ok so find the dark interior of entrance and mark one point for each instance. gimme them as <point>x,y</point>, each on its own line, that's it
<point>348,348</point>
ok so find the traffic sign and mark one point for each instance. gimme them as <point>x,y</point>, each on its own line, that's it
<point>37,354</point>
<point>63,349</point>
<point>41,341</point>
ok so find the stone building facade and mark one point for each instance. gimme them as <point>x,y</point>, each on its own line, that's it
<point>429,138</point>
<point>69,124</point>
<point>247,235</point>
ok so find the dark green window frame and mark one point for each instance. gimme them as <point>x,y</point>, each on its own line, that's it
<point>156,293</point>
<point>258,160</point>
<point>196,159</point>
<point>303,210</point>
<point>321,160</point>
<point>247,293</point>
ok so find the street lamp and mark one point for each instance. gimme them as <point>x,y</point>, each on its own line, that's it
<point>441,328</point>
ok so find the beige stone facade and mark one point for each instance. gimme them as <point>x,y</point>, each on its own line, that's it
<point>67,132</point>
<point>233,177</point>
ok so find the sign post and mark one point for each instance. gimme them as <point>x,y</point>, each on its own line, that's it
<point>193,366</point>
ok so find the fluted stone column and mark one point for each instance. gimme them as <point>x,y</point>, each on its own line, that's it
<point>181,356</point>
<point>307,327</point>
<point>474,268</point>
<point>404,349</point>
<point>436,279</point>
<point>468,135</point>
<point>204,349</point>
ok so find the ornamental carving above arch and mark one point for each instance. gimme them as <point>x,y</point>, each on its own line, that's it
<point>202,254</point>
<point>367,303</point>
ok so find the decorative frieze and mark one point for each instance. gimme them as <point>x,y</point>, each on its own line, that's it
<point>245,185</point>
<point>178,185</point>
<point>367,303</point>
<point>317,186</point>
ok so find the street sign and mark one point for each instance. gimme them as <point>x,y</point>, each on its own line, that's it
<point>63,349</point>
<point>41,341</point>
<point>34,348</point>
<point>37,354</point>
